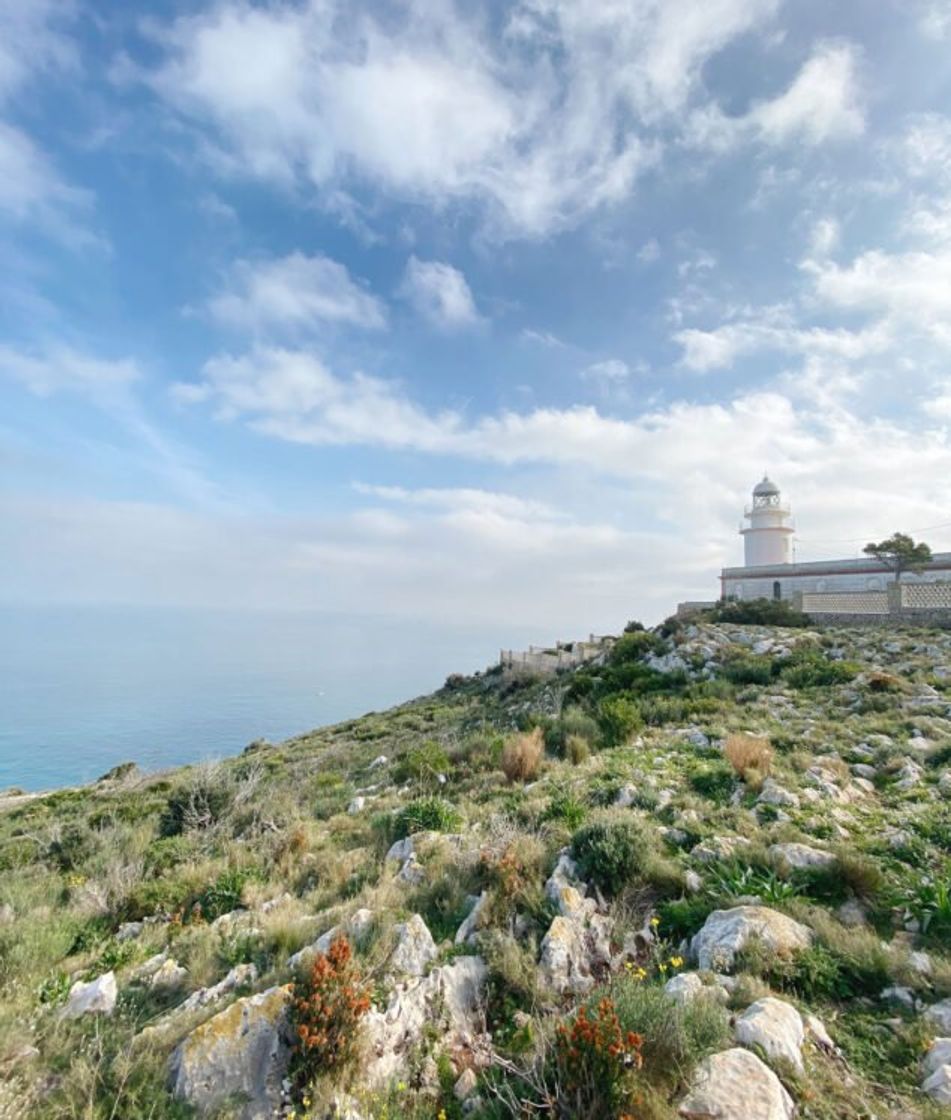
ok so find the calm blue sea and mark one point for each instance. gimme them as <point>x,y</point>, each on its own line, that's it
<point>82,689</point>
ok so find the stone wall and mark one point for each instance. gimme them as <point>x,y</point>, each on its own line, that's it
<point>905,604</point>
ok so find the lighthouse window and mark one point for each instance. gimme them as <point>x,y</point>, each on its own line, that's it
<point>777,590</point>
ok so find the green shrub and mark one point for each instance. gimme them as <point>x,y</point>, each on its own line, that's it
<point>619,717</point>
<point>716,781</point>
<point>423,764</point>
<point>567,807</point>
<point>683,917</point>
<point>611,853</point>
<point>812,670</point>
<point>224,894</point>
<point>760,612</point>
<point>71,848</point>
<point>427,814</point>
<point>199,804</point>
<point>675,1038</point>
<point>749,668</point>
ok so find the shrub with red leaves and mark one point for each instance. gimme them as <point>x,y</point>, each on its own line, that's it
<point>325,1014</point>
<point>595,1062</point>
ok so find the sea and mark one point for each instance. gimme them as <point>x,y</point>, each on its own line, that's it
<point>83,689</point>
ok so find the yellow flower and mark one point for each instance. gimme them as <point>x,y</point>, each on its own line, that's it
<point>662,967</point>
<point>676,961</point>
<point>655,921</point>
<point>401,1086</point>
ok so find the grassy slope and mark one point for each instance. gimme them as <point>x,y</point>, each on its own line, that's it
<point>195,843</point>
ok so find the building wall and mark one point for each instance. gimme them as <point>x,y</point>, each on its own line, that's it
<point>837,576</point>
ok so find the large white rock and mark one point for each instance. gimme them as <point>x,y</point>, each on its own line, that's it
<point>415,948</point>
<point>239,1054</point>
<point>736,1085</point>
<point>939,1015</point>
<point>355,927</point>
<point>466,932</point>
<point>98,997</point>
<point>773,793</point>
<point>450,1000</point>
<point>774,1025</point>
<point>800,857</point>
<point>726,932</point>
<point>685,987</point>
<point>939,1054</point>
<point>575,952</point>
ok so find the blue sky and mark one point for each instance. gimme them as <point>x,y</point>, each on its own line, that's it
<point>481,311</point>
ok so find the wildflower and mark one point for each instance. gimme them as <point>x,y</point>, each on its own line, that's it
<point>676,961</point>
<point>655,921</point>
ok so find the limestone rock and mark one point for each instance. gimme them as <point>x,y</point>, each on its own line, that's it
<point>939,1014</point>
<point>773,793</point>
<point>169,974</point>
<point>356,805</point>
<point>98,997</point>
<point>719,848</point>
<point>465,1086</point>
<point>725,932</point>
<point>355,927</point>
<point>939,1054</point>
<point>238,977</point>
<point>798,857</point>
<point>129,931</point>
<point>575,952</point>
<point>736,1085</point>
<point>818,1035</point>
<point>774,1025</point>
<point>449,1000</point>
<point>685,987</point>
<point>415,948</point>
<point>470,924</point>
<point>238,1053</point>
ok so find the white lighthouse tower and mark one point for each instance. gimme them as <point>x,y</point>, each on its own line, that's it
<point>767,539</point>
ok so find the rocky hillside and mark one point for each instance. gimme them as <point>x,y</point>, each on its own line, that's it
<point>707,877</point>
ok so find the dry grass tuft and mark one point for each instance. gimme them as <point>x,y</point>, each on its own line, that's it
<point>522,756</point>
<point>750,756</point>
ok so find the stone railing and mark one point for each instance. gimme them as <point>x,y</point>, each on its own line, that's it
<point>926,596</point>
<point>845,602</point>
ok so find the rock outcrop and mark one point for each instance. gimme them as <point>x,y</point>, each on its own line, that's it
<point>736,1085</point>
<point>726,932</point>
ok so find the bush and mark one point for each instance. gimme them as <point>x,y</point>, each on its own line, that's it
<point>675,1038</point>
<point>619,717</point>
<point>577,750</point>
<point>567,807</point>
<point>715,781</point>
<point>610,853</point>
<point>325,1014</point>
<point>522,756</point>
<point>595,1062</point>
<point>199,804</point>
<point>760,612</point>
<point>811,670</point>
<point>748,668</point>
<point>422,764</point>
<point>750,756</point>
<point>427,814</point>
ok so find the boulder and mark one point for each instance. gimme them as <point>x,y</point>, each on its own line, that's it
<point>736,1085</point>
<point>799,857</point>
<point>467,930</point>
<point>773,793</point>
<point>449,1000</point>
<point>776,1027</point>
<point>128,931</point>
<point>355,927</point>
<point>939,1016</point>
<point>356,805</point>
<point>169,974</point>
<point>719,848</point>
<point>726,932</point>
<point>98,997</point>
<point>239,976</point>
<point>685,987</point>
<point>939,1054</point>
<point>415,948</point>
<point>239,1054</point>
<point>575,953</point>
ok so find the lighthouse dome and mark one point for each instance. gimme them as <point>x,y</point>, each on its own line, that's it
<point>766,488</point>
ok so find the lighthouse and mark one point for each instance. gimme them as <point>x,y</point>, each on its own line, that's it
<point>767,539</point>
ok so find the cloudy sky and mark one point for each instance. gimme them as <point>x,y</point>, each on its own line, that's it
<point>474,310</point>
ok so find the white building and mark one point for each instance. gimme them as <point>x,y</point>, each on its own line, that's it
<point>769,571</point>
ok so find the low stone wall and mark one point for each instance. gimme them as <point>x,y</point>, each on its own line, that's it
<point>938,619</point>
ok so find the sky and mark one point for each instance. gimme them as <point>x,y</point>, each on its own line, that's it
<point>473,311</point>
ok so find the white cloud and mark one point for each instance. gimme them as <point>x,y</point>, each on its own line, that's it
<point>823,102</point>
<point>704,350</point>
<point>558,118</point>
<point>34,40</point>
<point>32,191</point>
<point>543,338</point>
<point>58,367</point>
<point>649,251</point>
<point>439,293</point>
<point>935,19</point>
<point>914,288</point>
<point>824,237</point>
<point>460,500</point>
<point>611,370</point>
<point>295,292</point>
